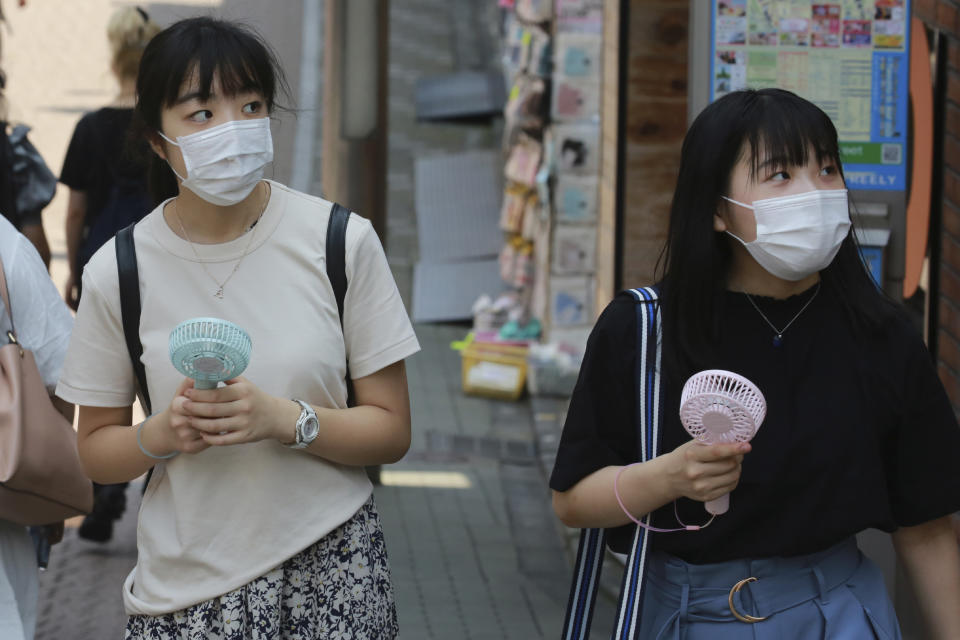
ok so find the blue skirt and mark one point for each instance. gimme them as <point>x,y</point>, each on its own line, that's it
<point>834,594</point>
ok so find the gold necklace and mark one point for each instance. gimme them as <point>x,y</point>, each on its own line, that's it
<point>252,230</point>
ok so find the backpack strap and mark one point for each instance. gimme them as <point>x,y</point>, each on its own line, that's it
<point>583,592</point>
<point>336,259</point>
<point>130,308</point>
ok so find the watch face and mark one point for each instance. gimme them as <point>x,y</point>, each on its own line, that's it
<point>310,429</point>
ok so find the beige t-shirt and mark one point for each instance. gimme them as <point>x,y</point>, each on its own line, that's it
<point>214,521</point>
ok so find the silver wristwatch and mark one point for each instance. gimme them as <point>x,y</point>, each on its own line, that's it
<point>307,426</point>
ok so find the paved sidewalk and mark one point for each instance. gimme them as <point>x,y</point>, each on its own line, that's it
<point>484,560</point>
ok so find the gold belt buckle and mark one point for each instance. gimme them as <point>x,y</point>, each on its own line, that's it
<point>742,617</point>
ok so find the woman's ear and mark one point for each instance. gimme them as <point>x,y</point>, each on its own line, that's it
<point>156,144</point>
<point>719,224</point>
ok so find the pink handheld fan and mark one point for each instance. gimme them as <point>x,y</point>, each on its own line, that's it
<point>720,406</point>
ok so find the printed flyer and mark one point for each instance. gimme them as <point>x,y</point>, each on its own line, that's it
<point>850,57</point>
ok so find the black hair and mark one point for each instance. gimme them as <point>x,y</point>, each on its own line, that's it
<point>205,48</point>
<point>762,125</point>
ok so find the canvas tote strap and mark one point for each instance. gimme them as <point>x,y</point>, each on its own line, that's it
<point>648,414</point>
<point>586,580</point>
<point>583,591</point>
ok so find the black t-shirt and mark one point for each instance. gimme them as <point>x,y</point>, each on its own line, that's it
<point>859,432</point>
<point>102,164</point>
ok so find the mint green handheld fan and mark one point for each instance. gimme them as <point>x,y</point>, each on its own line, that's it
<point>209,350</point>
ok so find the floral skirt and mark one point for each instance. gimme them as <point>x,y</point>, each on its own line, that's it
<point>339,587</point>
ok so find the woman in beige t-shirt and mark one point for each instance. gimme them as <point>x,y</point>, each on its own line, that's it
<point>259,518</point>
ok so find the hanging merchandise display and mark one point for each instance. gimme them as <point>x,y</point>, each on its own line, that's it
<point>524,161</point>
<point>576,199</point>
<point>525,215</point>
<point>571,300</point>
<point>576,83</point>
<point>534,11</point>
<point>574,249</point>
<point>579,16</point>
<point>576,152</point>
<point>526,108</point>
<point>578,148</point>
<point>578,55</point>
<point>552,52</point>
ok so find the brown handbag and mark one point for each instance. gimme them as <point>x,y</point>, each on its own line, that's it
<point>41,480</point>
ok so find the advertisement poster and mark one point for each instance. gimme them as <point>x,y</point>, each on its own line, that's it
<point>850,57</point>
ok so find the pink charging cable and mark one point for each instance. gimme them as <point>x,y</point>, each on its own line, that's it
<point>685,527</point>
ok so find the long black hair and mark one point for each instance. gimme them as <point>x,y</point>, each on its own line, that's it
<point>694,265</point>
<point>205,48</point>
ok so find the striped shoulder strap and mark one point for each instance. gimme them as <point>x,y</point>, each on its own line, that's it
<point>583,591</point>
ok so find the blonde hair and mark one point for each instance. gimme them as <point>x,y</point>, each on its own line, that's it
<point>128,31</point>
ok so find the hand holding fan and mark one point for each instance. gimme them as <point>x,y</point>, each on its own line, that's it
<point>720,406</point>
<point>209,350</point>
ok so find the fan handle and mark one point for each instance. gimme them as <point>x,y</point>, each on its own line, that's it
<point>718,506</point>
<point>204,384</point>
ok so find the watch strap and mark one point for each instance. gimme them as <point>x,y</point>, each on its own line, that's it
<point>306,411</point>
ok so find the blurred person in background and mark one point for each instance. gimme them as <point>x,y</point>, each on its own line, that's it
<point>106,170</point>
<point>43,326</point>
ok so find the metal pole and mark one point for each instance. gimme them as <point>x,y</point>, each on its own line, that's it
<point>355,107</point>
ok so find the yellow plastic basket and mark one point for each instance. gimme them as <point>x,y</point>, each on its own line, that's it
<point>494,370</point>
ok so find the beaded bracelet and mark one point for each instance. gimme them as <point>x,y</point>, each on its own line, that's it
<point>147,453</point>
<point>685,527</point>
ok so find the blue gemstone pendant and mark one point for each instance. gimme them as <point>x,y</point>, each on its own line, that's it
<point>778,340</point>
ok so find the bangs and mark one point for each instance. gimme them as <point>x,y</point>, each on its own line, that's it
<point>235,58</point>
<point>782,131</point>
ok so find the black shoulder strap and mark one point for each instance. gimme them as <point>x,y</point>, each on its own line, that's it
<point>130,307</point>
<point>337,268</point>
<point>337,254</point>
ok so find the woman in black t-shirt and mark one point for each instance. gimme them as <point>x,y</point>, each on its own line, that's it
<point>108,191</point>
<point>763,278</point>
<point>106,175</point>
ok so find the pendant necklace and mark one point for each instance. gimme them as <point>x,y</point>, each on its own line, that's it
<point>220,285</point>
<point>778,333</point>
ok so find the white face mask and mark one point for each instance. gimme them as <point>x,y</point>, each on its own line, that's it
<point>224,163</point>
<point>800,234</point>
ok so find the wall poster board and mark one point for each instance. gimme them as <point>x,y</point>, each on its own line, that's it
<point>850,57</point>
